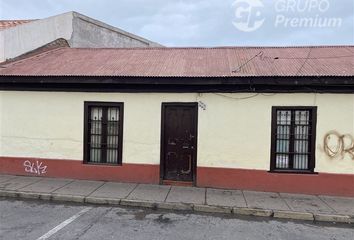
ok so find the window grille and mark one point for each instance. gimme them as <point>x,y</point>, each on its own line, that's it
<point>293,139</point>
<point>103,132</point>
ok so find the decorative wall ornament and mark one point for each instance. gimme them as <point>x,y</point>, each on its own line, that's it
<point>35,168</point>
<point>338,145</point>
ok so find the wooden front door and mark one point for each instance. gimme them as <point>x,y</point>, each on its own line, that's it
<point>179,141</point>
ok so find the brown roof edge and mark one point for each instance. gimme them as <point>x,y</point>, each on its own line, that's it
<point>56,44</point>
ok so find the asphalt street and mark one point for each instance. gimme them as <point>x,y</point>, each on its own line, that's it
<point>40,220</point>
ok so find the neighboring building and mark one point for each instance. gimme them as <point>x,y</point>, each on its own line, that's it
<point>266,119</point>
<point>18,37</point>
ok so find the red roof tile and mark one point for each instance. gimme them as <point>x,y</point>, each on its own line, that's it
<point>4,24</point>
<point>188,62</point>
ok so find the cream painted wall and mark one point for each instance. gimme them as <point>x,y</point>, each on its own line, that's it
<point>233,132</point>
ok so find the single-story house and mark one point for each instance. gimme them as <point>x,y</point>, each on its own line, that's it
<point>257,118</point>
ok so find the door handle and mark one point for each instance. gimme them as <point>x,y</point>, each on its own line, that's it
<point>190,166</point>
<point>187,147</point>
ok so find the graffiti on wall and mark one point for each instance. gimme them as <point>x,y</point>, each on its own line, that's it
<point>35,167</point>
<point>338,145</point>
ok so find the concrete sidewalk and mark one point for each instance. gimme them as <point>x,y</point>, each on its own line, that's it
<point>263,204</point>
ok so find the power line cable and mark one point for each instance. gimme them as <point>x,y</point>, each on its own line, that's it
<point>237,98</point>
<point>303,64</point>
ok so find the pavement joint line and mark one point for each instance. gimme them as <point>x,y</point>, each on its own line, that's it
<point>244,198</point>
<point>168,193</point>
<point>7,180</point>
<point>103,183</point>
<point>63,224</point>
<point>72,180</point>
<point>286,203</point>
<point>28,184</point>
<point>205,196</point>
<point>137,184</point>
<point>326,204</point>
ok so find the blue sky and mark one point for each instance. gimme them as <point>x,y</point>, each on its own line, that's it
<point>209,22</point>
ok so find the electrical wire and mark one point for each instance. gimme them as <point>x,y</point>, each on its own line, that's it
<point>303,64</point>
<point>268,94</point>
<point>236,98</point>
<point>238,69</point>
<point>263,57</point>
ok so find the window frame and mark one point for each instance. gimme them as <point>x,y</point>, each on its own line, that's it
<point>312,145</point>
<point>87,106</point>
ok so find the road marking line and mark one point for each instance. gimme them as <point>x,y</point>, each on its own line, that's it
<point>63,224</point>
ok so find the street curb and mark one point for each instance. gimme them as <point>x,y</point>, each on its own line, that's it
<point>45,196</point>
<point>175,206</point>
<point>8,193</point>
<point>212,209</point>
<point>101,200</point>
<point>291,215</point>
<point>138,203</point>
<point>28,195</point>
<point>333,218</point>
<point>294,215</point>
<point>68,198</point>
<point>252,212</point>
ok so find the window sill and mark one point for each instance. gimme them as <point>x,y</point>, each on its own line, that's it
<point>293,172</point>
<point>103,164</point>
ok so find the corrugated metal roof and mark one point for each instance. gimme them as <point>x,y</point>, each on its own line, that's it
<point>4,24</point>
<point>188,62</point>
